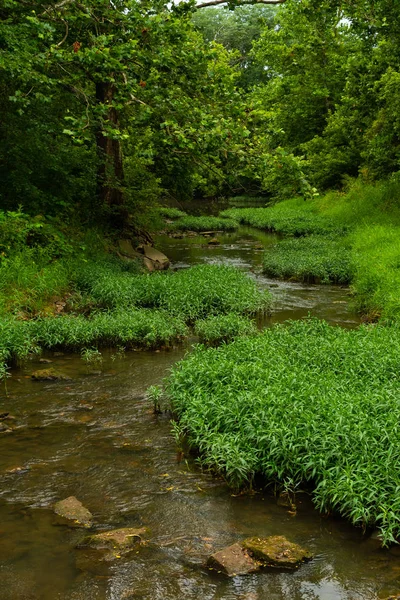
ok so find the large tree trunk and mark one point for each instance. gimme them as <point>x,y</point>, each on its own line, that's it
<point>110,175</point>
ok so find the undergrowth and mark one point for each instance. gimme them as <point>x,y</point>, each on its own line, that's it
<point>305,402</point>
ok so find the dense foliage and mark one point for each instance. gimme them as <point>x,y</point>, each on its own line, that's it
<point>302,403</point>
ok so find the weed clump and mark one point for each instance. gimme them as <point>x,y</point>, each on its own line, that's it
<point>301,403</point>
<point>311,259</point>
<point>225,328</point>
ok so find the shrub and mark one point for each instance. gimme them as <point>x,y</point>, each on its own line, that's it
<point>305,402</point>
<point>225,328</point>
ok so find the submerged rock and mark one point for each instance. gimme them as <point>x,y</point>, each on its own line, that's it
<point>73,512</point>
<point>214,242</point>
<point>49,375</point>
<point>233,560</point>
<point>114,543</point>
<point>276,551</point>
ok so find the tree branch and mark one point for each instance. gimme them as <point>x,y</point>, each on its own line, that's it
<point>215,2</point>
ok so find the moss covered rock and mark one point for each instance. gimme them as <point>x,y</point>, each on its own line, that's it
<point>233,560</point>
<point>72,512</point>
<point>114,543</point>
<point>276,551</point>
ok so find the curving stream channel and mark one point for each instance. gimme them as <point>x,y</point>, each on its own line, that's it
<point>96,437</point>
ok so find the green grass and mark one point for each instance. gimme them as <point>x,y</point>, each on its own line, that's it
<point>304,403</point>
<point>311,259</point>
<point>225,328</point>
<point>30,280</point>
<point>131,328</point>
<point>193,293</point>
<point>203,224</point>
<point>290,218</point>
<point>171,213</point>
<point>128,309</point>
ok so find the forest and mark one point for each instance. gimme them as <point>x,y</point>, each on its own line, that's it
<point>253,147</point>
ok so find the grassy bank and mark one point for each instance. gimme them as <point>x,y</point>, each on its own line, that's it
<point>302,403</point>
<point>354,238</point>
<point>78,295</point>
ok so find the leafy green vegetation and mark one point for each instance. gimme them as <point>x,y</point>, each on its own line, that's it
<point>292,217</point>
<point>192,293</point>
<point>304,403</point>
<point>311,259</point>
<point>203,224</point>
<point>130,328</point>
<point>225,328</point>
<point>171,213</point>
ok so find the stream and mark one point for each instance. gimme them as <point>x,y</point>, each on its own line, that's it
<point>96,437</point>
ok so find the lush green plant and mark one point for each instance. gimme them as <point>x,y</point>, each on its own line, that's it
<point>171,213</point>
<point>132,328</point>
<point>293,217</point>
<point>305,402</point>
<point>191,293</point>
<point>225,328</point>
<point>203,224</point>
<point>312,259</point>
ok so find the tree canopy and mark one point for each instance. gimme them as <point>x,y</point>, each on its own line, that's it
<point>109,105</point>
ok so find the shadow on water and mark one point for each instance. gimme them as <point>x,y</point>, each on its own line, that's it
<point>96,437</point>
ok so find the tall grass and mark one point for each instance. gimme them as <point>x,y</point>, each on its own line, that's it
<point>304,403</point>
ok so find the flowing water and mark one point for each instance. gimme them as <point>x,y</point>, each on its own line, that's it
<point>96,437</point>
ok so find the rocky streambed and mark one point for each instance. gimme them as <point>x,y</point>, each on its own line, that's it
<point>153,520</point>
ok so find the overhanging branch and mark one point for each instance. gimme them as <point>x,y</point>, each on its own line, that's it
<point>215,2</point>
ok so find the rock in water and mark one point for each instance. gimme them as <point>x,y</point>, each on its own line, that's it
<point>73,512</point>
<point>49,375</point>
<point>233,560</point>
<point>159,260</point>
<point>276,551</point>
<point>214,242</point>
<point>115,543</point>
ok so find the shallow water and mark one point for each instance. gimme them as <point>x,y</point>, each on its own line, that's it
<point>96,437</point>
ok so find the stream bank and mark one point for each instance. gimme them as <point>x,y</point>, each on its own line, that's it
<point>96,437</point>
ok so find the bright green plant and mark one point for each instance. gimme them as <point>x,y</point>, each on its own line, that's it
<point>203,224</point>
<point>224,328</point>
<point>171,213</point>
<point>311,259</point>
<point>307,402</point>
